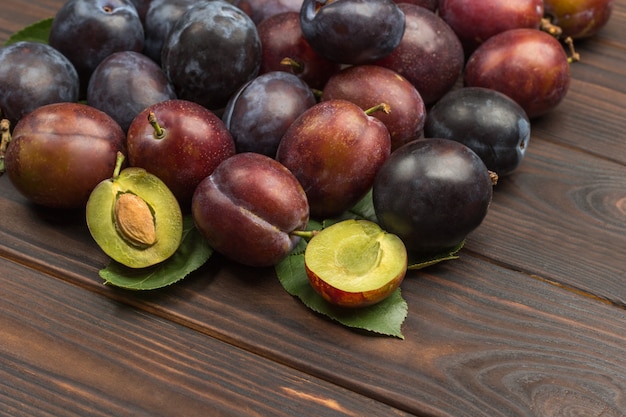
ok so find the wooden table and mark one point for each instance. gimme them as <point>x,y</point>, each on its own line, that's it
<point>530,321</point>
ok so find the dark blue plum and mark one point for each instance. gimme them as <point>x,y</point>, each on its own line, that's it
<point>211,51</point>
<point>31,75</point>
<point>260,113</point>
<point>125,83</point>
<point>160,18</point>
<point>87,31</point>
<point>489,122</point>
<point>352,31</point>
<point>432,193</point>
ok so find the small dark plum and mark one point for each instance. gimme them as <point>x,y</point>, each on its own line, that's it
<point>490,123</point>
<point>179,141</point>
<point>432,193</point>
<point>430,54</point>
<point>285,49</point>
<point>335,149</point>
<point>352,31</point>
<point>528,65</point>
<point>33,74</point>
<point>159,20</point>
<point>369,85</point>
<point>125,83</point>
<point>259,114</point>
<point>259,10</point>
<point>60,152</point>
<point>87,31</point>
<point>248,209</point>
<point>211,51</point>
<point>476,21</point>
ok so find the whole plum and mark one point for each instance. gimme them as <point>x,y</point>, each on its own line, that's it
<point>490,123</point>
<point>248,209</point>
<point>159,20</point>
<point>87,31</point>
<point>334,149</point>
<point>432,193</point>
<point>260,113</point>
<point>60,152</point>
<point>528,65</point>
<point>430,55</point>
<point>125,83</point>
<point>352,31</point>
<point>33,74</point>
<point>369,85</point>
<point>285,49</point>
<point>211,51</point>
<point>579,19</point>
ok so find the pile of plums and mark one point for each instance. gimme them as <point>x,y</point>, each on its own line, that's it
<point>259,115</point>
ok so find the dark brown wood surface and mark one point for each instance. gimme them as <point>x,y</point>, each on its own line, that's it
<point>530,321</point>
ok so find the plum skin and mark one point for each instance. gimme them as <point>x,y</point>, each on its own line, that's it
<point>32,75</point>
<point>60,152</point>
<point>492,124</point>
<point>528,65</point>
<point>334,149</point>
<point>248,208</point>
<point>432,193</point>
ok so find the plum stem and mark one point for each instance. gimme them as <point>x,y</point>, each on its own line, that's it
<point>574,56</point>
<point>5,134</point>
<point>305,234</point>
<point>384,107</point>
<point>296,66</point>
<point>551,28</point>
<point>119,160</point>
<point>159,133</point>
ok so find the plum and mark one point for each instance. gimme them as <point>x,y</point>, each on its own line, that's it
<point>179,141</point>
<point>432,193</point>
<point>528,65</point>
<point>355,263</point>
<point>335,150</point>
<point>33,74</point>
<point>134,218</point>
<point>352,31</point>
<point>211,51</point>
<point>160,17</point>
<point>125,83</point>
<point>490,123</point>
<point>429,55</point>
<point>61,151</point>
<point>259,114</point>
<point>248,209</point>
<point>87,31</point>
<point>368,85</point>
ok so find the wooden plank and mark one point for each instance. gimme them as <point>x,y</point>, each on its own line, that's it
<point>67,351</point>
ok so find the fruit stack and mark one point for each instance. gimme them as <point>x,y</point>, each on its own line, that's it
<point>267,122</point>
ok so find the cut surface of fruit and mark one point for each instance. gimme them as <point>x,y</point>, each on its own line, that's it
<point>152,243</point>
<point>355,262</point>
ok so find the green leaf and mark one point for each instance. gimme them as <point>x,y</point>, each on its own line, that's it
<point>385,317</point>
<point>422,261</point>
<point>192,253</point>
<point>37,32</point>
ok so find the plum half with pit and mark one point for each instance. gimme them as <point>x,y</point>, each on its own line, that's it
<point>61,151</point>
<point>248,209</point>
<point>134,217</point>
<point>355,263</point>
<point>432,193</point>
